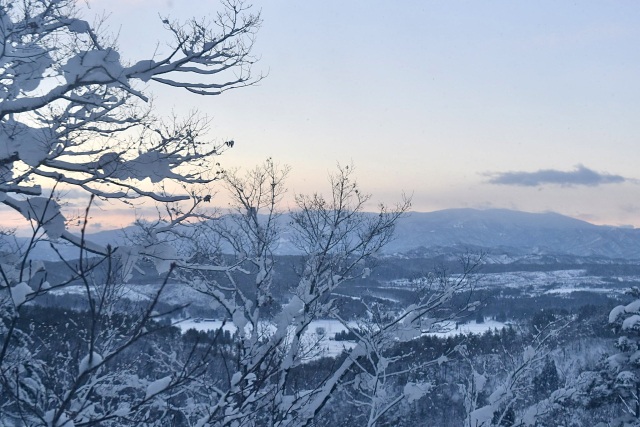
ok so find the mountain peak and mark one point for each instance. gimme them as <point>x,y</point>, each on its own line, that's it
<point>509,230</point>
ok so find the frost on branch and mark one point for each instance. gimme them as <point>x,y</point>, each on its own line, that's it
<point>90,361</point>
<point>414,391</point>
<point>337,240</point>
<point>45,212</point>
<point>157,386</point>
<point>620,375</point>
<point>19,293</point>
<point>75,118</point>
<point>72,114</point>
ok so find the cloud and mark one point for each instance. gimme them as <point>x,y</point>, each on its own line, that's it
<point>581,175</point>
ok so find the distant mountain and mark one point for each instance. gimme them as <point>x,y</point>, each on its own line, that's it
<point>501,231</point>
<point>512,232</point>
<point>496,231</point>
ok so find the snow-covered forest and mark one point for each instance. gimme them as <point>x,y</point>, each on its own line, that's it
<point>96,335</point>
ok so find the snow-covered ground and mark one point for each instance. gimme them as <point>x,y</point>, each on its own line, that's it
<point>558,281</point>
<point>173,293</point>
<point>532,283</point>
<point>321,333</point>
<point>569,290</point>
<point>205,325</point>
<point>541,282</point>
<point>450,329</point>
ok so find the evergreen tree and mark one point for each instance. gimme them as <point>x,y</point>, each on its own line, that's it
<point>547,380</point>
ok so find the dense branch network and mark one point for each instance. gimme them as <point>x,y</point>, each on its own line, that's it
<point>72,112</point>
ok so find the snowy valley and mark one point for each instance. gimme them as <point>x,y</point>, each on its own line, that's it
<point>254,296</point>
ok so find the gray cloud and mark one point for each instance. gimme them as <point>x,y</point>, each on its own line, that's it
<point>581,175</point>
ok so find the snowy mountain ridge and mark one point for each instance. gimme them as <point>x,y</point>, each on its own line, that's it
<point>502,231</point>
<point>499,232</point>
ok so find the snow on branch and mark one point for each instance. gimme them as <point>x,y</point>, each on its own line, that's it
<point>73,112</point>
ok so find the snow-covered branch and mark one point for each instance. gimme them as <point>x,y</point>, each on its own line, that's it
<point>72,112</point>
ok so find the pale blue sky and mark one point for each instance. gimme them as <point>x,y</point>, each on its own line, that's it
<point>433,98</point>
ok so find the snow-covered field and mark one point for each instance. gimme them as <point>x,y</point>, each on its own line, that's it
<point>541,282</point>
<point>532,283</point>
<point>173,293</point>
<point>321,333</point>
<point>450,329</point>
<point>578,289</point>
<point>558,281</point>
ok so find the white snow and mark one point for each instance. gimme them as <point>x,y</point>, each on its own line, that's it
<point>616,313</point>
<point>206,325</point>
<point>94,65</point>
<point>63,420</point>
<point>158,386</point>
<point>446,329</point>
<point>19,293</point>
<point>162,255</point>
<point>633,307</point>
<point>626,378</point>
<point>479,380</point>
<point>529,354</point>
<point>408,332</point>
<point>320,333</point>
<point>327,346</point>
<point>89,362</point>
<point>235,380</point>
<point>631,322</point>
<point>239,320</point>
<point>578,289</point>
<point>123,410</point>
<point>47,212</point>
<point>12,135</point>
<point>414,391</point>
<point>481,416</point>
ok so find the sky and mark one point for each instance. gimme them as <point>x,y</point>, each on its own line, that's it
<point>524,105</point>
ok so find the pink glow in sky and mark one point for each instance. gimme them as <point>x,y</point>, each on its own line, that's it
<point>431,98</point>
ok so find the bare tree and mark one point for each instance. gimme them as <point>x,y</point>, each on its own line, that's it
<point>72,110</point>
<point>335,239</point>
<point>88,369</point>
<point>509,398</point>
<point>377,386</point>
<point>75,115</point>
